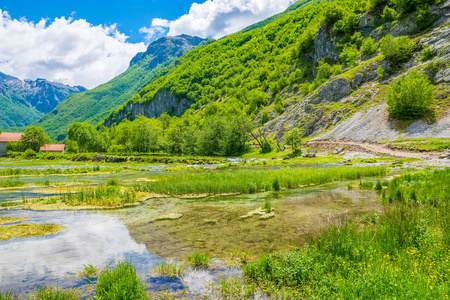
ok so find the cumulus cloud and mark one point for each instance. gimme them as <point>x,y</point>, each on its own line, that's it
<point>217,18</point>
<point>70,51</point>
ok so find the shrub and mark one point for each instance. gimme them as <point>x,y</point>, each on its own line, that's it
<point>120,283</point>
<point>427,53</point>
<point>406,6</point>
<point>424,18</point>
<point>29,153</point>
<point>410,97</point>
<point>348,24</point>
<point>113,182</point>
<point>396,50</point>
<point>389,14</point>
<point>375,4</point>
<point>349,55</point>
<point>332,14</point>
<point>265,118</point>
<point>369,47</point>
<point>380,72</point>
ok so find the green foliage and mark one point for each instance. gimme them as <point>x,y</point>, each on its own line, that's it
<point>369,47</point>
<point>29,153</point>
<point>120,283</point>
<point>406,6</point>
<point>45,293</point>
<point>424,18</point>
<point>380,72</point>
<point>11,183</point>
<point>276,185</point>
<point>279,108</point>
<point>348,25</point>
<point>349,55</point>
<point>83,136</point>
<point>396,50</point>
<point>199,259</point>
<point>332,14</point>
<point>7,296</point>
<point>265,118</point>
<point>376,4</point>
<point>35,138</point>
<point>169,270</point>
<point>389,14</point>
<point>267,206</point>
<point>427,53</point>
<point>293,138</point>
<point>113,182</point>
<point>410,97</point>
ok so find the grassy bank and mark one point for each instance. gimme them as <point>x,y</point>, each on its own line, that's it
<point>401,253</point>
<point>8,220</point>
<point>422,144</point>
<point>250,181</point>
<point>55,171</point>
<point>27,230</point>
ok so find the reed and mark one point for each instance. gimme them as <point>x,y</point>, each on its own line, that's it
<point>198,259</point>
<point>169,270</point>
<point>11,183</point>
<point>250,181</point>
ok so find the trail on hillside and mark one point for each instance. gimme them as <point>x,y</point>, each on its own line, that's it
<point>373,148</point>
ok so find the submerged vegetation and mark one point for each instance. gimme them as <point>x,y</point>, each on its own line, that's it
<point>251,180</point>
<point>169,270</point>
<point>27,230</point>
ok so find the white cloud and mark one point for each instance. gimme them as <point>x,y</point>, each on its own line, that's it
<point>217,18</point>
<point>70,51</point>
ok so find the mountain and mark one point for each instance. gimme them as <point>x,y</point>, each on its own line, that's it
<point>319,67</point>
<point>23,102</point>
<point>94,105</point>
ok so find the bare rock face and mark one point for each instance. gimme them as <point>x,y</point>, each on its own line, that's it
<point>163,102</point>
<point>324,46</point>
<point>335,89</point>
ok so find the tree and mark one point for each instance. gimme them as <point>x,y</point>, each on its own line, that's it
<point>265,118</point>
<point>389,14</point>
<point>410,97</point>
<point>293,138</point>
<point>1,130</point>
<point>85,135</point>
<point>35,137</point>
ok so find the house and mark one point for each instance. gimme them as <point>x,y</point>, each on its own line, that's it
<point>59,148</point>
<point>5,138</point>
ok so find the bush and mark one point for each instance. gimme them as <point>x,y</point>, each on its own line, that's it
<point>424,18</point>
<point>375,4</point>
<point>410,97</point>
<point>369,47</point>
<point>265,118</point>
<point>396,50</point>
<point>427,53</point>
<point>349,55</point>
<point>348,25</point>
<point>407,6</point>
<point>120,283</point>
<point>29,153</point>
<point>380,73</point>
<point>389,14</point>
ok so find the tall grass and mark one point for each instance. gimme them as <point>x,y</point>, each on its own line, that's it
<point>120,283</point>
<point>7,296</point>
<point>250,181</point>
<point>53,293</point>
<point>403,253</point>
<point>11,183</point>
<point>53,171</point>
<point>199,260</point>
<point>169,270</point>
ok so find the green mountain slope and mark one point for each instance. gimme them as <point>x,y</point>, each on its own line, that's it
<point>94,105</point>
<point>239,67</point>
<point>16,113</point>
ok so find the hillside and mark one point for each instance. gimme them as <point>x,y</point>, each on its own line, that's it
<point>23,102</point>
<point>94,105</point>
<point>316,68</point>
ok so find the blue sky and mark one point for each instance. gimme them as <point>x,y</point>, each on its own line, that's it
<point>89,42</point>
<point>130,15</point>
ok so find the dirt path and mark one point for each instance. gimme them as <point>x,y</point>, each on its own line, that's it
<point>373,148</point>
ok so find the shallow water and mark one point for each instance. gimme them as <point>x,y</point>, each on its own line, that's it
<point>98,237</point>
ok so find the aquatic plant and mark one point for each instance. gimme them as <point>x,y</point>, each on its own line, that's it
<point>199,259</point>
<point>120,283</point>
<point>11,183</point>
<point>250,181</point>
<point>400,253</point>
<point>27,230</point>
<point>276,185</point>
<point>366,184</point>
<point>233,288</point>
<point>89,272</point>
<point>267,206</point>
<point>8,296</point>
<point>378,186</point>
<point>113,182</point>
<point>169,270</point>
<point>54,293</point>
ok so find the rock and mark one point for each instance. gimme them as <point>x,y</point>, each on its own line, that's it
<point>333,90</point>
<point>324,45</point>
<point>286,158</point>
<point>347,161</point>
<point>171,216</point>
<point>259,211</point>
<point>338,150</point>
<point>209,221</point>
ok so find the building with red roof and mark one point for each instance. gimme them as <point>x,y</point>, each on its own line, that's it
<point>53,148</point>
<point>5,138</point>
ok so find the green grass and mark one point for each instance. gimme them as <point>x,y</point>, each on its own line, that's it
<point>53,293</point>
<point>250,180</point>
<point>400,253</point>
<point>169,270</point>
<point>422,144</point>
<point>7,296</point>
<point>28,230</point>
<point>53,171</point>
<point>198,259</point>
<point>89,272</point>
<point>11,183</point>
<point>120,283</point>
